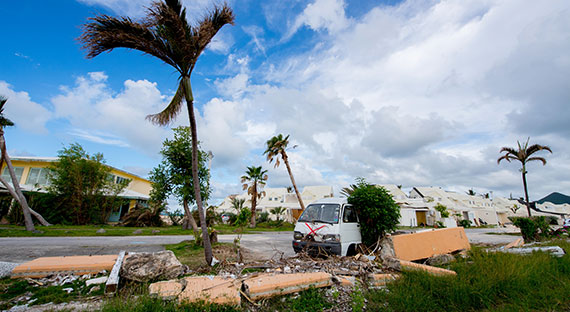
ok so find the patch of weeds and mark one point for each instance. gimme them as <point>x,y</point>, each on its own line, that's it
<point>489,281</point>
<point>311,299</point>
<point>10,288</point>
<point>358,300</point>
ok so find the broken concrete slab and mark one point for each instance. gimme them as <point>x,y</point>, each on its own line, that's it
<point>214,289</point>
<point>346,280</point>
<point>167,290</point>
<point>112,282</point>
<point>96,281</point>
<point>426,244</point>
<point>553,250</point>
<point>267,285</point>
<point>377,280</point>
<point>148,266</point>
<point>440,259</point>
<point>427,268</point>
<point>516,243</point>
<point>77,265</point>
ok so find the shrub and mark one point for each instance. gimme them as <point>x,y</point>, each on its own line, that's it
<point>533,228</point>
<point>262,217</point>
<point>377,211</point>
<point>464,223</point>
<point>442,210</point>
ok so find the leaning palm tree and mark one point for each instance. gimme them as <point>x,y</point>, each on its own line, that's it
<point>254,181</point>
<point>15,189</point>
<point>166,34</point>
<point>523,155</point>
<point>277,146</point>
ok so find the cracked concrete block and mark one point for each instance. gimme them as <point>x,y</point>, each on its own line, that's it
<point>279,284</point>
<point>77,265</point>
<point>212,289</point>
<point>426,244</point>
<point>422,267</point>
<point>166,289</point>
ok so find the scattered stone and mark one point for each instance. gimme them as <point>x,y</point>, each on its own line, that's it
<point>96,281</point>
<point>144,266</point>
<point>94,289</point>
<point>440,259</point>
<point>139,231</point>
<point>68,290</point>
<point>101,231</point>
<point>155,231</point>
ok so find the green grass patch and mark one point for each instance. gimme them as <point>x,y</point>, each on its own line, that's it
<point>484,281</point>
<point>309,300</point>
<point>110,230</point>
<point>192,255</point>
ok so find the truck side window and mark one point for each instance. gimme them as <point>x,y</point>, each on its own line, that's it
<point>349,214</point>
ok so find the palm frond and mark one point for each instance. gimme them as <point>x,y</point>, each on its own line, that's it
<point>541,159</point>
<point>4,122</point>
<point>536,147</point>
<point>171,111</point>
<point>506,157</point>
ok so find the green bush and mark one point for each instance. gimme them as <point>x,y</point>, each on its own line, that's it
<point>377,211</point>
<point>533,228</point>
<point>442,210</point>
<point>464,223</point>
<point>262,217</point>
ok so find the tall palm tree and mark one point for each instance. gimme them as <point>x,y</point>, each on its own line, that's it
<point>277,146</point>
<point>166,34</point>
<point>254,181</point>
<point>15,189</point>
<point>523,155</point>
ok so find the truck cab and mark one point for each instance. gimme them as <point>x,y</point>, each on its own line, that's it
<point>330,225</point>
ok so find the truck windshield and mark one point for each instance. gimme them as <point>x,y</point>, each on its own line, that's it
<point>327,213</point>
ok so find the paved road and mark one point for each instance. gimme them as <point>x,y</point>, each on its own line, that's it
<point>22,249</point>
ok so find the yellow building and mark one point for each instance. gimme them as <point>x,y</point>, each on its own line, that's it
<point>32,174</point>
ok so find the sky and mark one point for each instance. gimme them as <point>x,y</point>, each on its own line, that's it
<point>413,93</point>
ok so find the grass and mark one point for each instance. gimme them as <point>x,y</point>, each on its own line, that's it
<point>192,255</point>
<point>484,281</point>
<point>91,230</point>
<point>11,290</point>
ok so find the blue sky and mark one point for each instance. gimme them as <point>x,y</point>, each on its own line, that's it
<point>418,93</point>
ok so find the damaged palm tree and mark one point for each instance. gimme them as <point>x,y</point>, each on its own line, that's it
<point>165,33</point>
<point>15,189</point>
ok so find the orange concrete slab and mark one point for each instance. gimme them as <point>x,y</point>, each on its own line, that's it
<point>166,289</point>
<point>77,265</point>
<point>268,285</point>
<point>382,279</point>
<point>428,268</point>
<point>423,245</point>
<point>213,289</point>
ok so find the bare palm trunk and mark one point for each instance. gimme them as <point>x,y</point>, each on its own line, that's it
<point>525,190</point>
<point>193,131</point>
<point>191,221</point>
<point>17,191</point>
<point>286,161</point>
<point>253,204</point>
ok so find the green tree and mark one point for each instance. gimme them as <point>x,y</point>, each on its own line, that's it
<point>254,181</point>
<point>278,211</point>
<point>277,146</point>
<point>523,154</point>
<point>442,210</point>
<point>166,34</point>
<point>86,191</point>
<point>237,204</point>
<point>377,211</point>
<point>15,189</point>
<point>173,176</point>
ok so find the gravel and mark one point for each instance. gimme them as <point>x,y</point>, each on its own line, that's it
<point>6,268</point>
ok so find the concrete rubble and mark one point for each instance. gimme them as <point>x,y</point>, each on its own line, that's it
<point>145,267</point>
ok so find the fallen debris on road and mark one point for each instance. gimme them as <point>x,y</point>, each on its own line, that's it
<point>77,265</point>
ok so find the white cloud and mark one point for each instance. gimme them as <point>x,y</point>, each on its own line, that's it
<point>25,113</point>
<point>321,15</point>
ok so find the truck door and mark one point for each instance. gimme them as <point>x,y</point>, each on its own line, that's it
<point>349,228</point>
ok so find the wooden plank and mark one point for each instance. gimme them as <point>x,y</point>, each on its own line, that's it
<point>113,280</point>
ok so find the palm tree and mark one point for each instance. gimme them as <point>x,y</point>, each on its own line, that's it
<point>166,34</point>
<point>276,146</point>
<point>254,181</point>
<point>15,189</point>
<point>523,155</point>
<point>237,204</point>
<point>278,211</point>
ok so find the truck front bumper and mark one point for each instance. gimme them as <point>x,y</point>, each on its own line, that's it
<point>315,247</point>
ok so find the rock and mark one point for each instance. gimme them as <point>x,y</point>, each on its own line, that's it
<point>386,248</point>
<point>144,266</point>
<point>96,281</point>
<point>68,290</point>
<point>94,289</point>
<point>139,231</point>
<point>155,231</point>
<point>101,231</point>
<point>440,259</point>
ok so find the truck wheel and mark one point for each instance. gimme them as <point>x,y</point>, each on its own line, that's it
<point>351,250</point>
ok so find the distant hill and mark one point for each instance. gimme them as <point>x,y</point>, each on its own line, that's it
<point>555,198</point>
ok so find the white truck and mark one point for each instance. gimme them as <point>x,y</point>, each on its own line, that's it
<point>328,224</point>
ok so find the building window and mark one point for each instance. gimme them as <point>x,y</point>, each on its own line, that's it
<point>6,175</point>
<point>116,179</point>
<point>120,180</point>
<point>38,176</point>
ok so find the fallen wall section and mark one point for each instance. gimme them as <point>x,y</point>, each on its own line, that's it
<point>426,244</point>
<point>77,265</point>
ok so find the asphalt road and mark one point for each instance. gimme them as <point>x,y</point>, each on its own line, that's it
<point>265,245</point>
